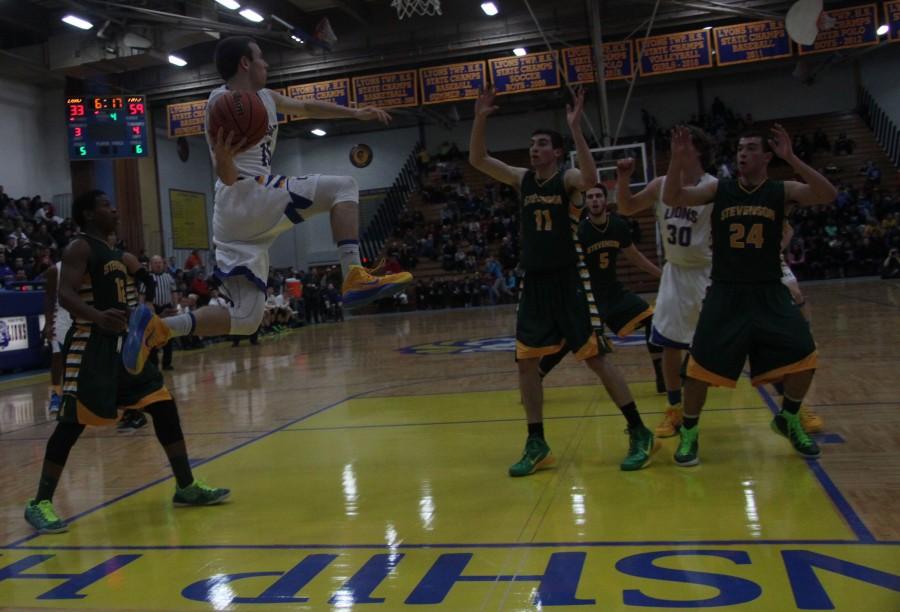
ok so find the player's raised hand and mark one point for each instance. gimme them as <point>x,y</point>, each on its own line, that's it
<point>681,141</point>
<point>625,167</point>
<point>780,142</point>
<point>574,111</point>
<point>484,105</point>
<point>371,113</point>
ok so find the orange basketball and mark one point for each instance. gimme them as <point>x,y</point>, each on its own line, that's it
<point>241,112</point>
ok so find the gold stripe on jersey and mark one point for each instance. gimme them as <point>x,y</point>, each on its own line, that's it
<point>596,319</point>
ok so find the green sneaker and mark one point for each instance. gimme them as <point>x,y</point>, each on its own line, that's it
<point>43,517</point>
<point>198,493</point>
<point>688,445</point>
<point>640,446</point>
<point>536,456</point>
<point>789,426</point>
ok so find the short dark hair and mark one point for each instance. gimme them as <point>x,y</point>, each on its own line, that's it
<point>704,145</point>
<point>556,138</point>
<point>601,187</point>
<point>757,132</point>
<point>83,203</point>
<point>229,52</point>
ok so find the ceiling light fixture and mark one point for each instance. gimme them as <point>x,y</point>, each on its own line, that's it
<point>180,62</point>
<point>78,22</point>
<point>318,132</point>
<point>229,4</point>
<point>251,15</point>
<point>490,9</point>
<point>520,51</point>
<point>883,29</point>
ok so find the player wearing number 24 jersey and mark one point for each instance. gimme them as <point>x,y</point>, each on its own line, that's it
<point>748,312</point>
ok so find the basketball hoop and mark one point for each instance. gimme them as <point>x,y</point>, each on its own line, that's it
<point>408,8</point>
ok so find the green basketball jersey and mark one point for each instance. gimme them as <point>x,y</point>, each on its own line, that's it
<point>547,237</point>
<point>601,244</point>
<point>105,280</point>
<point>747,226</point>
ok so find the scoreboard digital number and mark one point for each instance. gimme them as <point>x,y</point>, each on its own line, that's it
<point>104,127</point>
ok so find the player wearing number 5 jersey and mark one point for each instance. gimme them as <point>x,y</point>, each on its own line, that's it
<point>687,244</point>
<point>553,309</point>
<point>747,311</point>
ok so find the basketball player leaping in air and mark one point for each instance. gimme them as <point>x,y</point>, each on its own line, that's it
<point>253,207</point>
<point>748,311</point>
<point>553,310</point>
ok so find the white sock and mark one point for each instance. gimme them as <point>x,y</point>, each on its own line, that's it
<point>349,250</point>
<point>181,325</point>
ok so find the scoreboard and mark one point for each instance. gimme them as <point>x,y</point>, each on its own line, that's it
<point>104,127</point>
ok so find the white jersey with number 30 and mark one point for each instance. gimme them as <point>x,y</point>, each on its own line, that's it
<point>686,232</point>
<point>257,160</point>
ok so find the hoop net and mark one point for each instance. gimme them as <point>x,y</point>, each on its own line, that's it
<point>408,8</point>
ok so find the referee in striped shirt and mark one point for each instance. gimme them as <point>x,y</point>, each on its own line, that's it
<point>162,300</point>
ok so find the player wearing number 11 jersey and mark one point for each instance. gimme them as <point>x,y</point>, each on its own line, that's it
<point>748,312</point>
<point>554,311</point>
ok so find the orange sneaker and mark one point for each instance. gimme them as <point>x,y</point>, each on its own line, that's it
<point>671,423</point>
<point>146,331</point>
<point>361,287</point>
<point>810,421</point>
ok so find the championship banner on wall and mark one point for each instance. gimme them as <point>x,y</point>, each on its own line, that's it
<point>190,229</point>
<point>855,27</point>
<point>532,72</point>
<point>751,42</point>
<point>185,118</point>
<point>618,62</point>
<point>452,83</point>
<point>892,18</point>
<point>336,91</point>
<point>388,90</point>
<point>676,52</point>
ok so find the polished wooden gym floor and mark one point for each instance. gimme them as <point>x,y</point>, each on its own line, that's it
<point>367,462</point>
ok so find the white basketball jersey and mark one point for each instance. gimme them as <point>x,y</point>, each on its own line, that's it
<point>257,160</point>
<point>685,232</point>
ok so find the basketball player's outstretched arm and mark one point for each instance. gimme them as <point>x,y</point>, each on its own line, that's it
<point>317,109</point>
<point>75,259</point>
<point>817,189</point>
<point>637,258</point>
<point>628,203</point>
<point>478,155</point>
<point>585,176</point>
<point>675,194</point>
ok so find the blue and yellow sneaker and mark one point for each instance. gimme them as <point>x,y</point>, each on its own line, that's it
<point>361,287</point>
<point>536,456</point>
<point>198,493</point>
<point>43,517</point>
<point>146,331</point>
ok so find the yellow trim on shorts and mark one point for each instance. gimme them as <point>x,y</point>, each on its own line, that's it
<point>695,370</point>
<point>160,395</point>
<point>807,363</point>
<point>590,349</point>
<point>632,325</point>
<point>530,352</point>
